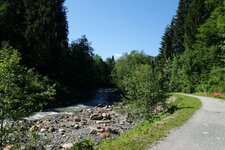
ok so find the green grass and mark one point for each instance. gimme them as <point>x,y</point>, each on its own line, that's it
<point>143,135</point>
<point>210,95</point>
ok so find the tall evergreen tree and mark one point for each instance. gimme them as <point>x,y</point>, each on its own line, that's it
<point>166,49</point>
<point>46,35</point>
<point>12,23</point>
<point>196,16</point>
<point>180,18</point>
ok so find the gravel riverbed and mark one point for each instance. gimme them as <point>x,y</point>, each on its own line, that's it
<point>96,123</point>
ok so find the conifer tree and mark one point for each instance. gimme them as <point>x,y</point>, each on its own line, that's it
<point>178,38</point>
<point>196,16</point>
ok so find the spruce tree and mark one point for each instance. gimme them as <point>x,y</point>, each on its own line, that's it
<point>46,35</point>
<point>196,16</point>
<point>178,38</point>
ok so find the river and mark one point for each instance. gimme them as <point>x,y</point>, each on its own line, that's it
<point>101,97</point>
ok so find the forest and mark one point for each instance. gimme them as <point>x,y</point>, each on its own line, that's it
<point>39,68</point>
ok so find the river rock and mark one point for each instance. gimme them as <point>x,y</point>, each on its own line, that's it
<point>96,116</point>
<point>67,146</point>
<point>51,129</point>
<point>45,122</point>
<point>9,147</point>
<point>83,121</point>
<point>42,130</point>
<point>63,125</point>
<point>76,119</point>
<point>104,121</point>
<point>34,128</point>
<point>105,135</point>
<point>76,126</point>
<point>93,131</point>
<point>62,130</point>
<point>106,115</point>
<point>115,130</point>
<point>101,130</point>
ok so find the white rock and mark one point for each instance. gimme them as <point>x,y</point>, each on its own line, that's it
<point>62,130</point>
<point>104,115</point>
<point>67,146</point>
<point>76,126</point>
<point>43,130</point>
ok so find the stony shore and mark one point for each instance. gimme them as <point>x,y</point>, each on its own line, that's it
<point>96,123</point>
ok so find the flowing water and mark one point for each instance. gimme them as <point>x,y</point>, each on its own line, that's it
<point>101,97</point>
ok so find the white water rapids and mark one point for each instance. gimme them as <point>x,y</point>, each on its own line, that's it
<point>101,97</point>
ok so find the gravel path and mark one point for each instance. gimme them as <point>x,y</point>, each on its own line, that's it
<point>204,131</point>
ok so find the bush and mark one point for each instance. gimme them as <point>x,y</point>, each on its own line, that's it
<point>22,91</point>
<point>142,92</point>
<point>125,66</point>
<point>83,145</point>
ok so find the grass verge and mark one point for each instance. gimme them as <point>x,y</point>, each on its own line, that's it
<point>210,95</point>
<point>143,135</point>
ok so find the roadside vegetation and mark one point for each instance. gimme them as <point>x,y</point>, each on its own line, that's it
<point>156,127</point>
<point>222,96</point>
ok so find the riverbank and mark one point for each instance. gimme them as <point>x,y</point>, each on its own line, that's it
<point>96,123</point>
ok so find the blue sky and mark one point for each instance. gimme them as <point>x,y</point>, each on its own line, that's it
<point>118,26</point>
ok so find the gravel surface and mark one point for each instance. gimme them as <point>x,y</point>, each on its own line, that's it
<point>204,131</point>
<point>96,123</point>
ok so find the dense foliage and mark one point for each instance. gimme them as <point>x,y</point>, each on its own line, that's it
<point>200,67</point>
<point>22,91</point>
<point>38,29</point>
<point>135,75</point>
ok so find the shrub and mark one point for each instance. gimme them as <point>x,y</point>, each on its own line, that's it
<point>142,92</point>
<point>83,145</point>
<point>22,91</point>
